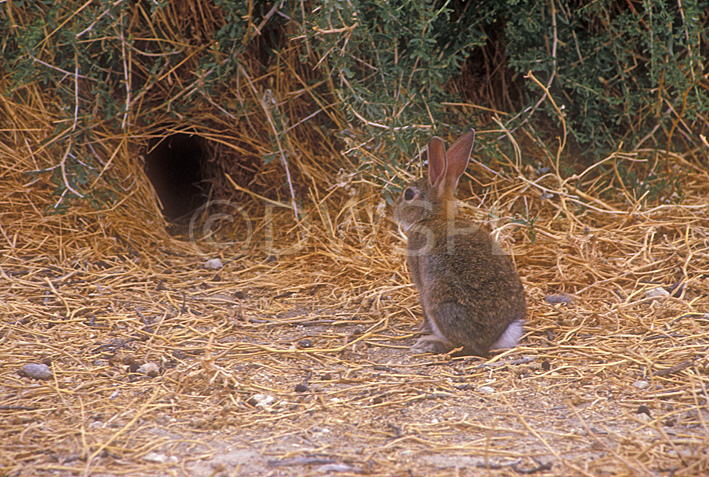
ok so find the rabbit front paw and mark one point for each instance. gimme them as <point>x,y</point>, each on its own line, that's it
<point>431,344</point>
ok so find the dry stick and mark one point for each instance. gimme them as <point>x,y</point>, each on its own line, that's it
<point>551,79</point>
<point>699,406</point>
<point>56,68</point>
<point>568,197</point>
<point>82,429</point>
<point>254,194</point>
<point>127,69</point>
<point>310,89</point>
<point>76,12</point>
<point>118,147</point>
<point>267,17</point>
<point>61,298</point>
<point>121,431</point>
<point>515,145</point>
<point>531,76</point>
<point>98,18</point>
<point>267,111</point>
<point>475,106</point>
<point>674,369</point>
<point>565,184</point>
<point>57,388</point>
<point>62,164</point>
<point>372,330</point>
<point>687,260</point>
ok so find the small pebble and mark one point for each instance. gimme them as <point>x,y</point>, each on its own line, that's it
<point>643,409</point>
<point>486,390</point>
<point>305,343</point>
<point>36,371</point>
<point>561,298</point>
<point>149,369</point>
<point>546,365</point>
<point>329,468</point>
<point>213,264</point>
<point>641,384</point>
<point>261,400</point>
<point>158,458</point>
<point>301,388</point>
<point>657,292</point>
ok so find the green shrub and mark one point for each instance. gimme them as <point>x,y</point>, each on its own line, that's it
<point>630,71</point>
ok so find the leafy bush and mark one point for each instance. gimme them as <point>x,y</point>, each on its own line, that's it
<point>619,69</point>
<point>631,71</point>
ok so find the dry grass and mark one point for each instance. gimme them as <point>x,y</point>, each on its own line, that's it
<point>293,358</point>
<point>615,383</point>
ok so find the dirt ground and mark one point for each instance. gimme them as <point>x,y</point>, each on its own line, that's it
<point>127,350</point>
<point>300,365</point>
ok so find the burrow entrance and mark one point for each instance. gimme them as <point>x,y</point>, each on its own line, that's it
<point>176,166</point>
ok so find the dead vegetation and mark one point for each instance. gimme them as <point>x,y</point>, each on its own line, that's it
<point>289,363</point>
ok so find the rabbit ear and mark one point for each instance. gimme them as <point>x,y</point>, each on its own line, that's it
<point>436,161</point>
<point>458,157</point>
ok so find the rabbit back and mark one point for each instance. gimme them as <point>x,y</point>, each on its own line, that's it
<point>470,291</point>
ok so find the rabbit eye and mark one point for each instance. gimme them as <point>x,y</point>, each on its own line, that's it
<point>409,194</point>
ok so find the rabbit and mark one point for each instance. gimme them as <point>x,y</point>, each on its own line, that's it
<point>471,294</point>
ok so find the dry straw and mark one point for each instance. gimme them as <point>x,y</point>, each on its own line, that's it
<point>293,358</point>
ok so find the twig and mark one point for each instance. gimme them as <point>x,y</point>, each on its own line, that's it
<point>674,369</point>
<point>555,41</point>
<point>263,101</point>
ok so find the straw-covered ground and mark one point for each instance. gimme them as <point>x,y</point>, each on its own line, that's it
<point>292,357</point>
<point>293,362</point>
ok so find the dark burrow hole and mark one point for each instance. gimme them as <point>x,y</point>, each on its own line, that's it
<point>176,165</point>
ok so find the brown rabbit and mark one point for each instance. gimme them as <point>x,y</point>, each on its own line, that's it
<point>471,294</point>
